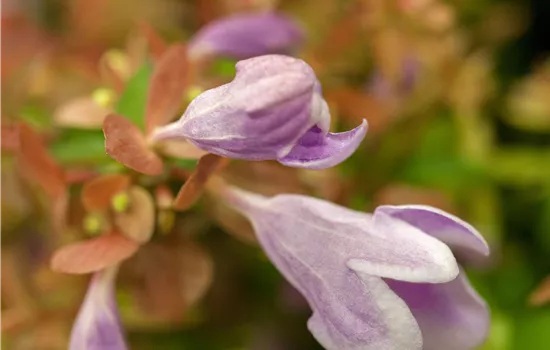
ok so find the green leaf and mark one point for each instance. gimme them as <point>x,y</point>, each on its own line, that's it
<point>134,98</point>
<point>521,166</point>
<point>187,164</point>
<point>225,67</point>
<point>36,116</point>
<point>80,146</point>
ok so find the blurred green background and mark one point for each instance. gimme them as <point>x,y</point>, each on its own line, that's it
<point>457,95</point>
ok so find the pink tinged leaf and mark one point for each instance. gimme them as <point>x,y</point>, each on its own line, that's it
<point>94,254</point>
<point>125,143</point>
<point>194,186</point>
<point>138,222</point>
<point>157,46</point>
<point>82,112</point>
<point>38,165</point>
<point>168,83</point>
<point>10,137</point>
<point>98,193</point>
<point>541,295</point>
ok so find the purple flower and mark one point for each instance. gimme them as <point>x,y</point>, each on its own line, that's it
<point>273,109</point>
<point>246,35</point>
<point>386,280</point>
<point>97,326</point>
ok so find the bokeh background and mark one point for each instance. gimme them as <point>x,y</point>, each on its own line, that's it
<point>457,95</point>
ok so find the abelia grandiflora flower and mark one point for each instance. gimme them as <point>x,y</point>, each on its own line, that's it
<point>386,280</point>
<point>272,110</point>
<point>246,35</point>
<point>97,326</point>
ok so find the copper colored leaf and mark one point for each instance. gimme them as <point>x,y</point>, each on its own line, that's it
<point>197,270</point>
<point>97,193</point>
<point>81,112</point>
<point>126,144</point>
<point>173,278</point>
<point>157,45</point>
<point>94,254</point>
<point>193,187</point>
<point>37,164</point>
<point>138,222</point>
<point>541,295</point>
<point>167,86</point>
<point>10,138</point>
<point>76,176</point>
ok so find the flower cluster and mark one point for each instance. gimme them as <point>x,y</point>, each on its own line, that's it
<point>383,280</point>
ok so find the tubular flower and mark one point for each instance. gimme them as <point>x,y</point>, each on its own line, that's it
<point>386,280</point>
<point>246,35</point>
<point>272,110</point>
<point>97,326</point>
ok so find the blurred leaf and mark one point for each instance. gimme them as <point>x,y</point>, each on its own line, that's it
<point>109,74</point>
<point>37,164</point>
<point>80,146</point>
<point>98,193</point>
<point>171,278</point>
<point>224,67</point>
<point>541,295</point>
<point>402,194</point>
<point>10,137</point>
<point>169,81</point>
<point>126,144</point>
<point>532,330</point>
<point>187,164</point>
<point>193,187</point>
<point>36,116</point>
<point>81,112</point>
<point>138,222</point>
<point>94,254</point>
<point>132,102</point>
<point>520,166</point>
<point>155,43</point>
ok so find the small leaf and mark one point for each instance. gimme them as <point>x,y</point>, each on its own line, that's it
<point>132,101</point>
<point>82,113</point>
<point>169,81</point>
<point>80,147</point>
<point>193,187</point>
<point>156,44</point>
<point>97,193</point>
<point>180,149</point>
<point>109,74</point>
<point>138,222</point>
<point>10,137</point>
<point>37,164</point>
<point>541,295</point>
<point>94,254</point>
<point>126,144</point>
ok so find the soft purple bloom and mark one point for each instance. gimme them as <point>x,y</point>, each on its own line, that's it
<point>246,35</point>
<point>273,109</point>
<point>97,326</point>
<point>386,280</point>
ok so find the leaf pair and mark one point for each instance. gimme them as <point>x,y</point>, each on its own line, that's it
<point>125,142</point>
<point>133,226</point>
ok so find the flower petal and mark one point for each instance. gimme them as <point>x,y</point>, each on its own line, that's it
<point>97,326</point>
<point>465,241</point>
<point>451,315</point>
<point>317,151</point>
<point>258,116</point>
<point>332,255</point>
<point>246,35</point>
